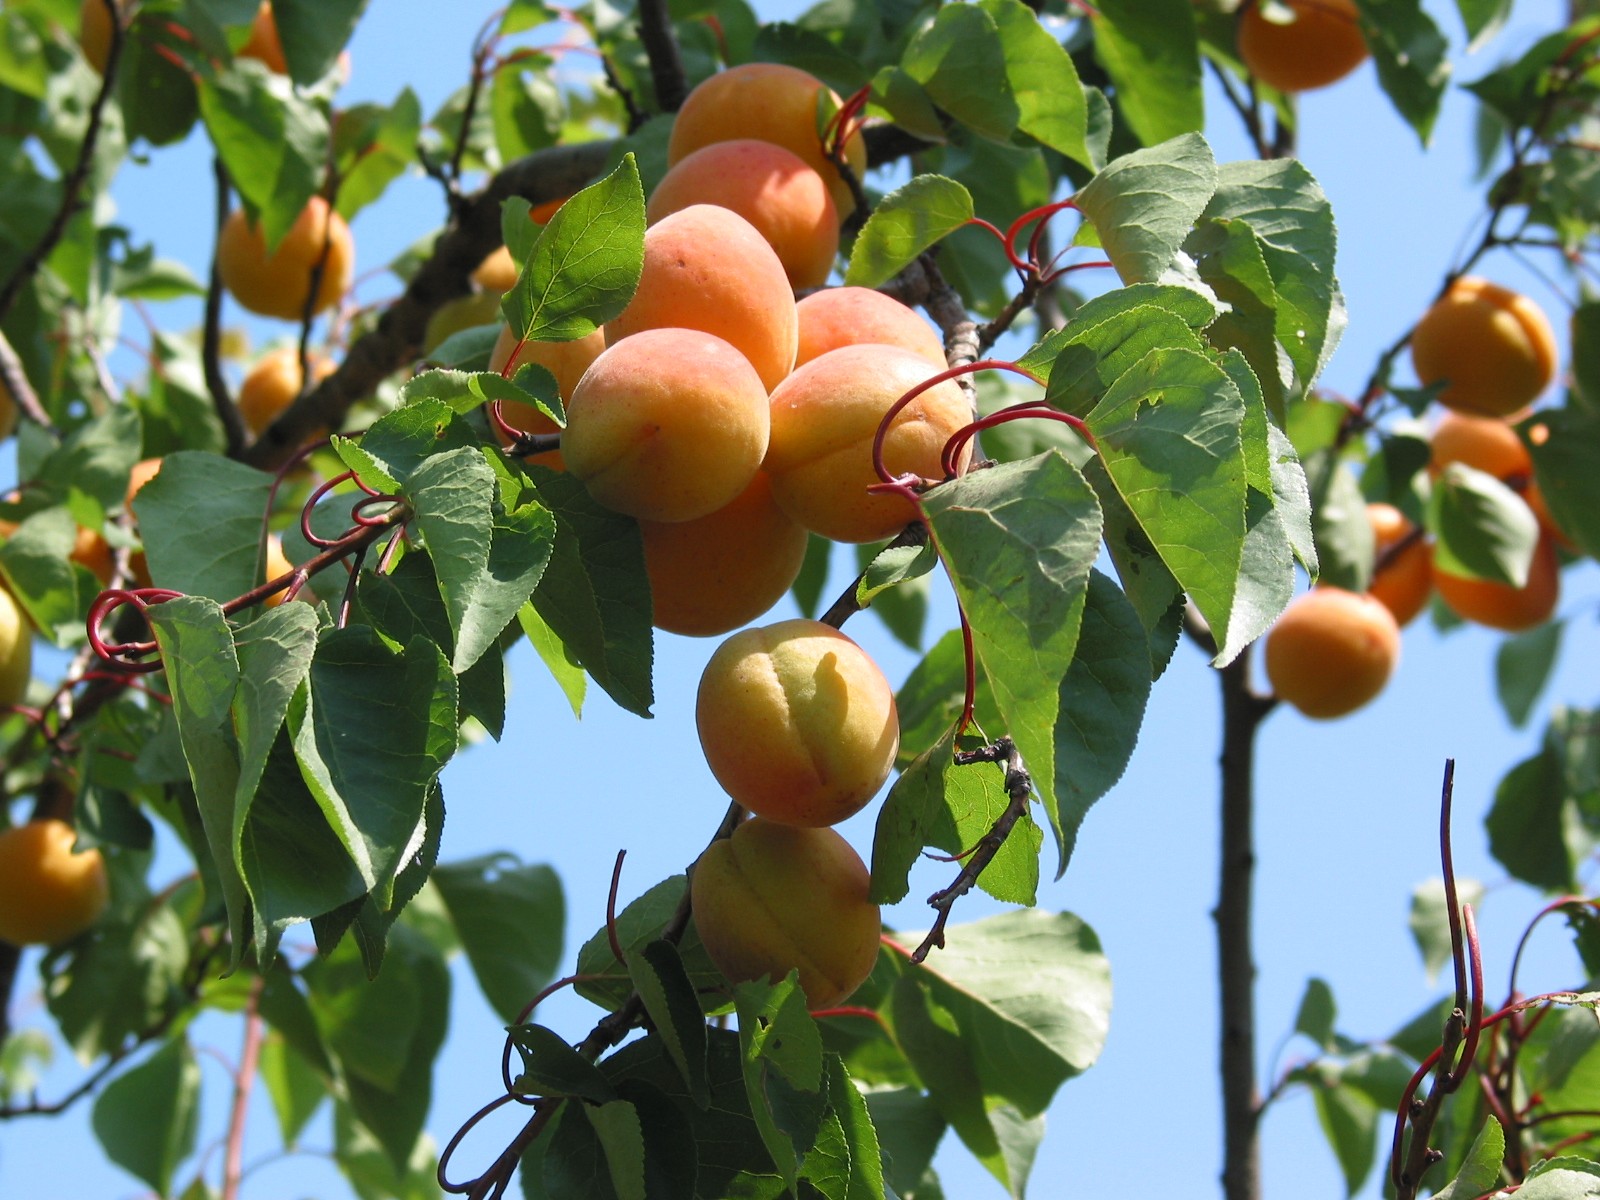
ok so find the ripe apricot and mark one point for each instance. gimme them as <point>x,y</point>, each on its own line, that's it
<point>496,274</point>
<point>276,285</point>
<point>94,32</point>
<point>786,201</point>
<point>1488,444</point>
<point>1320,46</point>
<point>1402,581</point>
<point>48,894</point>
<point>142,473</point>
<point>1500,605</point>
<point>273,384</point>
<point>772,103</point>
<point>797,722</point>
<point>16,650</point>
<point>853,316</point>
<point>667,425</point>
<point>277,565</point>
<point>567,361</point>
<point>707,268</point>
<point>1332,651</point>
<point>824,417</point>
<point>1493,347</point>
<point>264,45</point>
<point>718,572</point>
<point>775,898</point>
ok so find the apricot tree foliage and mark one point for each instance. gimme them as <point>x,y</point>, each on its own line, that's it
<point>1154,463</point>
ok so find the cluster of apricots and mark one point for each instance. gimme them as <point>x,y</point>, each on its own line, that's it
<point>1300,45</point>
<point>1491,352</point>
<point>731,420</point>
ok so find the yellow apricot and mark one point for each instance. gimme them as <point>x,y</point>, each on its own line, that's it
<point>496,274</point>
<point>1401,581</point>
<point>264,45</point>
<point>707,268</point>
<point>786,201</point>
<point>273,384</point>
<point>797,722</point>
<point>276,285</point>
<point>278,565</point>
<point>667,425</point>
<point>48,894</point>
<point>1332,651</point>
<point>771,102</point>
<point>16,651</point>
<point>718,572</point>
<point>1500,605</point>
<point>1494,348</point>
<point>853,316</point>
<point>1321,45</point>
<point>776,898</point>
<point>567,361</point>
<point>824,418</point>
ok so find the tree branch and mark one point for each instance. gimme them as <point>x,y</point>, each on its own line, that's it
<point>15,381</point>
<point>666,61</point>
<point>211,340</point>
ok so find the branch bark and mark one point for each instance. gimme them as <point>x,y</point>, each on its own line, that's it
<point>666,61</point>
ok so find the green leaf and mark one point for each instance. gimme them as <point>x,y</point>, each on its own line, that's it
<point>849,1108</point>
<point>1481,1171</point>
<point>95,458</point>
<point>147,1119</point>
<point>296,1089</point>
<point>1483,19</point>
<point>33,563</point>
<point>1563,467</point>
<point>1430,920</point>
<point>1151,51</point>
<point>608,982</point>
<point>616,1126</point>
<point>221,562</point>
<point>594,594</point>
<point>1564,1177</point>
<point>1346,548</point>
<point>313,32</point>
<point>1018,541</point>
<point>550,1067</point>
<point>272,139</point>
<point>1170,433</point>
<point>668,994</point>
<point>782,1055</point>
<point>569,676</point>
<point>1535,826</point>
<point>1096,351</point>
<point>1051,106</point>
<point>1522,668</point>
<point>586,264</point>
<point>509,918</point>
<point>1412,57</point>
<point>960,60</point>
<point>1316,1015</point>
<point>906,222</point>
<point>895,586</point>
<point>1349,1121</point>
<point>909,1128</point>
<point>1482,529</point>
<point>1144,204</point>
<point>373,146</point>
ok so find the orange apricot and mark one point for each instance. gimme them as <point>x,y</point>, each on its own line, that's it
<point>1502,605</point>
<point>48,894</point>
<point>824,418</point>
<point>273,384</point>
<point>264,45</point>
<point>774,898</point>
<point>1487,444</point>
<point>16,651</point>
<point>771,102</point>
<point>94,32</point>
<point>276,285</point>
<point>142,473</point>
<point>797,722</point>
<point>786,201</point>
<point>1402,579</point>
<point>667,425</point>
<point>725,569</point>
<point>1492,347</point>
<point>540,214</point>
<point>1321,45</point>
<point>496,274</point>
<point>853,316</point>
<point>567,361</point>
<point>707,268</point>
<point>1331,651</point>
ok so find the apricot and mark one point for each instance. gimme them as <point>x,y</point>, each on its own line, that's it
<point>496,274</point>
<point>264,45</point>
<point>776,898</point>
<point>724,569</point>
<point>824,418</point>
<point>772,103</point>
<point>1402,581</point>
<point>16,650</point>
<point>786,201</point>
<point>1487,444</point>
<point>141,473</point>
<point>276,285</point>
<point>1501,605</point>
<point>797,722</point>
<point>853,316</point>
<point>273,384</point>
<point>540,214</point>
<point>707,268</point>
<point>48,894</point>
<point>8,413</point>
<point>1493,347</point>
<point>277,565</point>
<point>94,32</point>
<point>1320,46</point>
<point>567,361</point>
<point>89,549</point>
<point>1332,651</point>
<point>667,425</point>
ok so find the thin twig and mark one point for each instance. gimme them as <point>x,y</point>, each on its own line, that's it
<point>211,340</point>
<point>243,1081</point>
<point>15,380</point>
